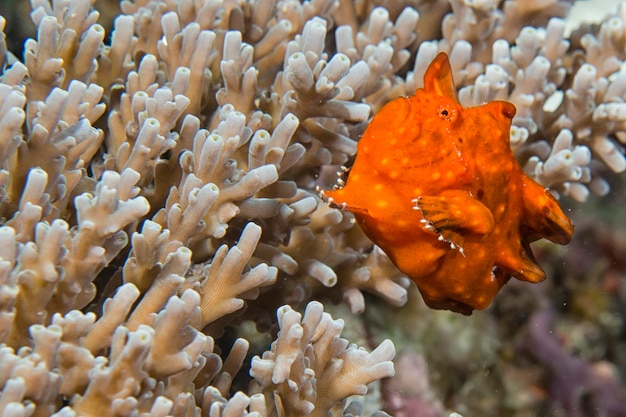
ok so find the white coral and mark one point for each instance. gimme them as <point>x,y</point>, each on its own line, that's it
<point>311,368</point>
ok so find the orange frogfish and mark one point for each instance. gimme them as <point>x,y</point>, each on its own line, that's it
<point>437,187</point>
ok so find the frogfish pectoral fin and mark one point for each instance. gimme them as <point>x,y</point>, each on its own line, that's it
<point>518,261</point>
<point>453,214</point>
<point>544,217</point>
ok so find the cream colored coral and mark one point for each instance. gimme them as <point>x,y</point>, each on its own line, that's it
<point>311,368</point>
<point>61,140</point>
<point>565,165</point>
<point>224,282</point>
<point>68,43</point>
<point>304,78</point>
<point>330,246</point>
<point>188,48</point>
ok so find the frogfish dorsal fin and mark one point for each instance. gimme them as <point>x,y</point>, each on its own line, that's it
<point>438,77</point>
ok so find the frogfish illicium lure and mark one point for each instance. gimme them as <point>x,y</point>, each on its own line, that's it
<point>437,187</point>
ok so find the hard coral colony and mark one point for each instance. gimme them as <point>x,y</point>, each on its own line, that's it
<point>158,189</point>
<point>437,187</point>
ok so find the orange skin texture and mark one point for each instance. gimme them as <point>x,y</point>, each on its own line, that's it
<point>437,187</point>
